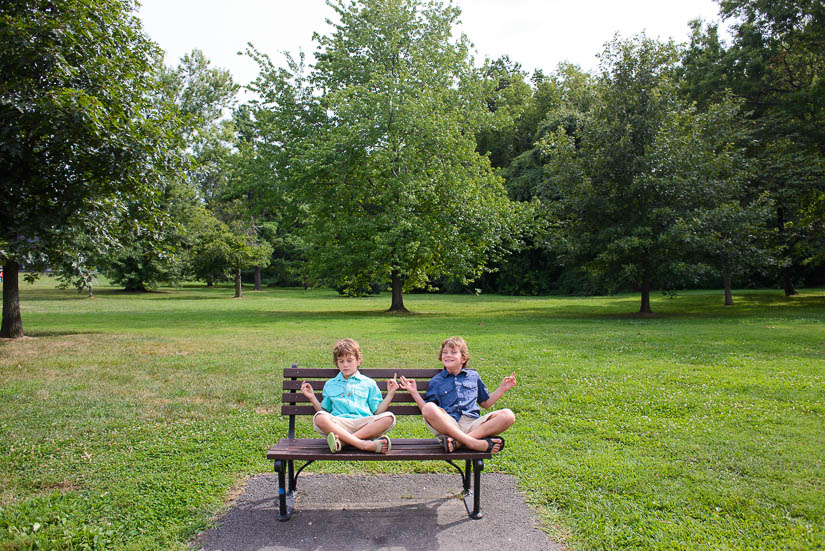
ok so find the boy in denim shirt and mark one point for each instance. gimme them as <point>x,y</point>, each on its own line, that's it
<point>450,406</point>
<point>352,411</point>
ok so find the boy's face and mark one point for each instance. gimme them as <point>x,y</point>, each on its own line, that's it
<point>347,365</point>
<point>452,359</point>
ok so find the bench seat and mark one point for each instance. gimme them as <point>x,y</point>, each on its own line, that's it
<point>403,449</point>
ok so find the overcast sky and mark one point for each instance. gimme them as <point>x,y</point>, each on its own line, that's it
<point>539,34</point>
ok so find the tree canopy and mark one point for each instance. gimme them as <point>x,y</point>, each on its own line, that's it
<point>381,150</point>
<point>80,131</point>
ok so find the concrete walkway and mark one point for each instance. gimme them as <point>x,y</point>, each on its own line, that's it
<point>419,512</point>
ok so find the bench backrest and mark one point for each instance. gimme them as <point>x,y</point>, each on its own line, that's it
<point>294,403</point>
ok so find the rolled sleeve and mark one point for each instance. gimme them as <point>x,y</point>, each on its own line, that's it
<point>374,399</point>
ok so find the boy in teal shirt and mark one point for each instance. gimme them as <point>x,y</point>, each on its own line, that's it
<point>352,410</point>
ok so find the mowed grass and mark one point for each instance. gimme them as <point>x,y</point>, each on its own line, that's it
<point>128,420</point>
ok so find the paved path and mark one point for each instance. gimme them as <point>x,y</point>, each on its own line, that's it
<point>419,512</point>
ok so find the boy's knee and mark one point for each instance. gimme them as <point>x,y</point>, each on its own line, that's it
<point>507,416</point>
<point>429,410</point>
<point>321,418</point>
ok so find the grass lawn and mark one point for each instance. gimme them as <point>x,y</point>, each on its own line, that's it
<point>127,420</point>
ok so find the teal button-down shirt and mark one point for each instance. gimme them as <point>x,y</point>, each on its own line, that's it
<point>357,396</point>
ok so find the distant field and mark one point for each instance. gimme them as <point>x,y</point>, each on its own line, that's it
<point>128,419</point>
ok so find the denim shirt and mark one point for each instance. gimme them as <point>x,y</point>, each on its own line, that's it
<point>351,398</point>
<point>457,394</point>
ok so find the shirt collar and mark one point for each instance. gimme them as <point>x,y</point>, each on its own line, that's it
<point>355,376</point>
<point>446,373</point>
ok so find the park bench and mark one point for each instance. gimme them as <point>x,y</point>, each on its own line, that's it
<point>291,449</point>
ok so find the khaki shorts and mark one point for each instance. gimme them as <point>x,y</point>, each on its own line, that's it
<point>466,424</point>
<point>353,425</point>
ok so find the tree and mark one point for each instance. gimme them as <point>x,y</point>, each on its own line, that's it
<point>727,230</point>
<point>378,142</point>
<point>559,100</point>
<point>639,168</point>
<point>197,94</point>
<point>80,132</point>
<point>219,249</point>
<point>776,63</point>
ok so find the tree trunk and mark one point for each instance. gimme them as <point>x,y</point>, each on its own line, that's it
<point>90,290</point>
<point>12,327</point>
<point>210,280</point>
<point>257,278</point>
<point>238,286</point>
<point>787,283</point>
<point>397,296</point>
<point>645,307</point>
<point>728,294</point>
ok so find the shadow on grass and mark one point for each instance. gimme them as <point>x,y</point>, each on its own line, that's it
<point>683,307</point>
<point>66,333</point>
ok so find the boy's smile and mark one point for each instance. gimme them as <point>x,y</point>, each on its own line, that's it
<point>347,365</point>
<point>452,359</point>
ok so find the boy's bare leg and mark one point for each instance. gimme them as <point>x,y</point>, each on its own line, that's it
<point>328,424</point>
<point>497,422</point>
<point>374,428</point>
<point>444,424</point>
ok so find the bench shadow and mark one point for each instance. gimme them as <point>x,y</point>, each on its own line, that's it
<point>254,526</point>
<point>353,513</point>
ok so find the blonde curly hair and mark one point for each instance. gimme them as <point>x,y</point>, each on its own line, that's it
<point>344,347</point>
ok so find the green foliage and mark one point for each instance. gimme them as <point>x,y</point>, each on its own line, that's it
<point>776,64</point>
<point>641,174</point>
<point>201,94</point>
<point>378,142</point>
<point>197,95</point>
<point>219,251</point>
<point>81,134</point>
<point>507,97</point>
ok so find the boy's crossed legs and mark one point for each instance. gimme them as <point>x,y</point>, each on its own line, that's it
<point>360,432</point>
<point>475,434</point>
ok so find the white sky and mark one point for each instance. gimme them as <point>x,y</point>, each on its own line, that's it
<point>539,34</point>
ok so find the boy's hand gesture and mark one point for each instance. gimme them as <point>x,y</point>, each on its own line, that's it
<point>306,390</point>
<point>509,381</point>
<point>408,385</point>
<point>392,384</point>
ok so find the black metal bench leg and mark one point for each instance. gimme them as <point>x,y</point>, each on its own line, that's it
<point>286,499</point>
<point>472,497</point>
<point>475,514</point>
<point>292,478</point>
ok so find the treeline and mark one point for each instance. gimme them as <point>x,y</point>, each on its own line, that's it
<point>693,165</point>
<point>395,162</point>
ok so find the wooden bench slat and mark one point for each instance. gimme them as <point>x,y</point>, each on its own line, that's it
<point>374,373</point>
<point>298,398</point>
<point>296,385</point>
<point>318,385</point>
<point>309,410</point>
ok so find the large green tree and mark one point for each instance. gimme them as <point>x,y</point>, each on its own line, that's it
<point>776,63</point>
<point>631,184</point>
<point>79,131</point>
<point>381,148</point>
